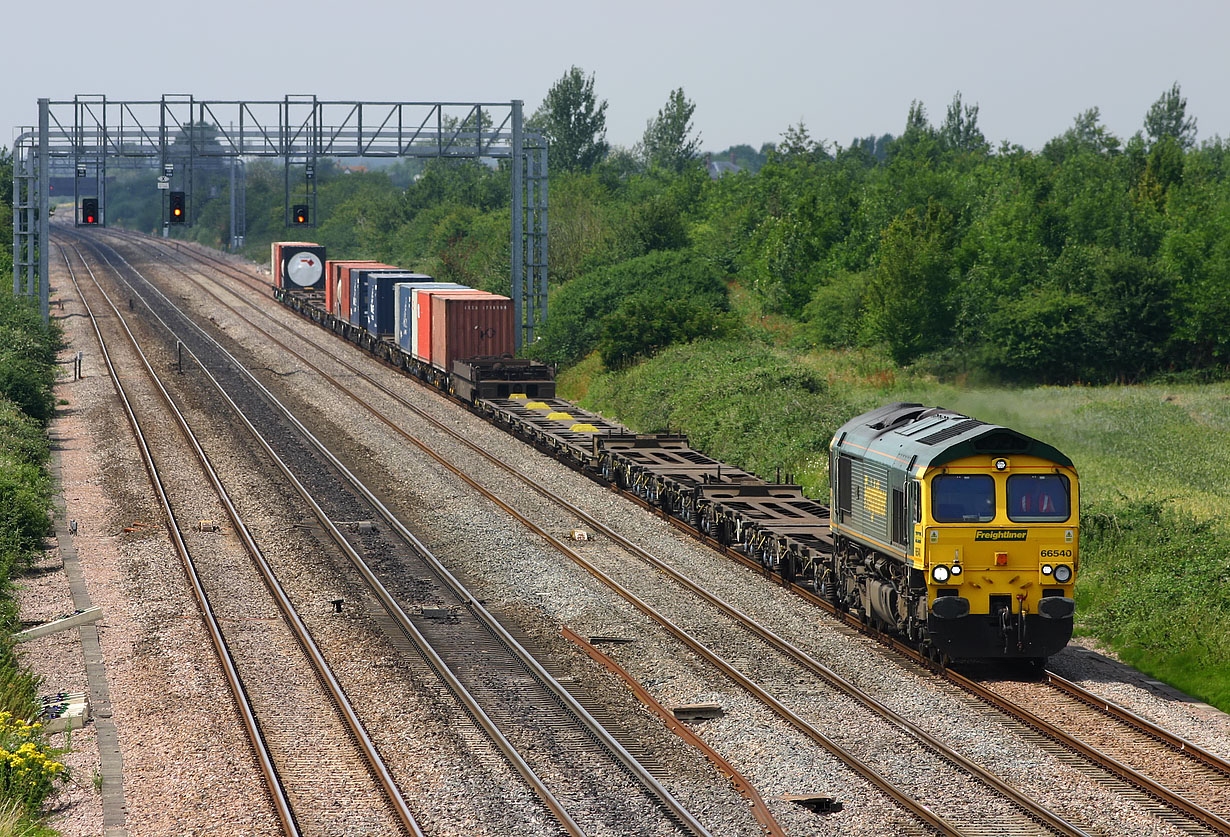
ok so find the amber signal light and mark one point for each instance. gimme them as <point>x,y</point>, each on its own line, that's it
<point>177,203</point>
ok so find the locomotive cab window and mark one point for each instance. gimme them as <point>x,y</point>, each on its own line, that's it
<point>1039,498</point>
<point>963,498</point>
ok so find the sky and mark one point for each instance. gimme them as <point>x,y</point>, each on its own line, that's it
<point>845,69</point>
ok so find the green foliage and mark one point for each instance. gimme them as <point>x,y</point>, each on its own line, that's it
<point>836,310</point>
<point>745,404</point>
<point>1155,585</point>
<point>649,322</point>
<point>1167,119</point>
<point>1048,334</point>
<point>580,309</point>
<point>657,224</point>
<point>29,768</point>
<point>668,141</point>
<point>960,130</point>
<point>573,121</point>
<point>27,356</point>
<point>6,213</point>
<point>908,298</point>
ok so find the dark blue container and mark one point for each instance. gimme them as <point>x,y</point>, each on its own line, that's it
<point>381,314</point>
<point>360,282</point>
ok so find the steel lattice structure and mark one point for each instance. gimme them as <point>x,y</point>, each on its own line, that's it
<point>177,133</point>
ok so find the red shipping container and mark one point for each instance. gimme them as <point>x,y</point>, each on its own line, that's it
<point>470,325</point>
<point>421,330</point>
<point>342,293</point>
<point>333,279</point>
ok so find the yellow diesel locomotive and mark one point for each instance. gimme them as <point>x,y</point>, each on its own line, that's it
<point>958,534</point>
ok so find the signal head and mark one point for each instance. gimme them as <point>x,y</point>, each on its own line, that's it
<point>177,207</point>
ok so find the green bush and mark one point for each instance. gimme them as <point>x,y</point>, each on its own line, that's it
<point>745,404</point>
<point>579,309</point>
<point>29,769</point>
<point>1154,584</point>
<point>1048,335</point>
<point>649,322</point>
<point>835,313</point>
<point>27,357</point>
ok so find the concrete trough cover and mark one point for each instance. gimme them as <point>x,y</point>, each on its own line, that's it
<point>698,711</point>
<point>815,803</point>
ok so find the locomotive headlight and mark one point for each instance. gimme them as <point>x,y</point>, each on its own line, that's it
<point>1047,569</point>
<point>1001,464</point>
<point>956,569</point>
<point>1063,573</point>
<point>939,573</point>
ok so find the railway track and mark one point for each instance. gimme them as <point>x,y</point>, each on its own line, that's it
<point>1177,781</point>
<point>1153,764</point>
<point>1030,817</point>
<point>582,775</point>
<point>289,762</point>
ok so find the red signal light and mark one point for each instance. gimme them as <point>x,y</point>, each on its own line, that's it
<point>89,210</point>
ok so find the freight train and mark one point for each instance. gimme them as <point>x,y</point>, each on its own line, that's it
<point>957,535</point>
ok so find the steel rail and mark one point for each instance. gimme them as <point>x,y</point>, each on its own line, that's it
<point>1029,806</point>
<point>323,671</point>
<point>600,734</point>
<point>1120,713</point>
<point>1192,809</point>
<point>1115,767</point>
<point>281,803</point>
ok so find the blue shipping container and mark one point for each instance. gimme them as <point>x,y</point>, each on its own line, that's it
<point>360,283</point>
<point>382,299</point>
<point>404,319</point>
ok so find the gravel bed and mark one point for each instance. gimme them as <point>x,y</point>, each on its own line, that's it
<point>407,730</point>
<point>187,769</point>
<point>560,595</point>
<point>267,655</point>
<point>610,790</point>
<point>1153,758</point>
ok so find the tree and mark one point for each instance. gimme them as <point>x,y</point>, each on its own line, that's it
<point>668,140</point>
<point>908,299</point>
<point>573,121</point>
<point>798,146</point>
<point>1167,117</point>
<point>960,129</point>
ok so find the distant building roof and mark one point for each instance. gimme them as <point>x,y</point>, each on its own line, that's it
<point>721,167</point>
